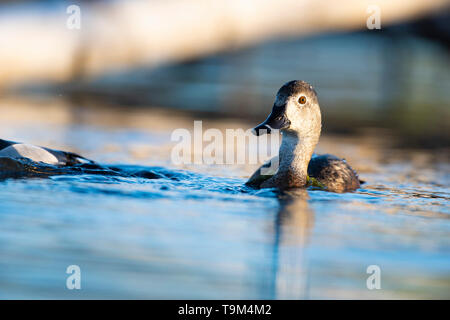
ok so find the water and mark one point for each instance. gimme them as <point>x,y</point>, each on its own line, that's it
<point>149,229</point>
<point>153,230</point>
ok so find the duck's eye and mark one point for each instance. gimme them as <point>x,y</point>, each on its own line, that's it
<point>302,100</point>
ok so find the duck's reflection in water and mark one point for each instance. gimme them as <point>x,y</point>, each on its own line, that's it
<point>293,226</point>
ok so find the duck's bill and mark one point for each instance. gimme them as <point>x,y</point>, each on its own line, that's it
<point>276,120</point>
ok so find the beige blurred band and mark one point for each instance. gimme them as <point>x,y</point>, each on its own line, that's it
<point>37,46</point>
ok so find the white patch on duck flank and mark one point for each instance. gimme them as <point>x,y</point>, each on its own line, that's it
<point>31,152</point>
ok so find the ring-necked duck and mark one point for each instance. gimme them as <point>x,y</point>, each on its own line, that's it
<point>296,113</point>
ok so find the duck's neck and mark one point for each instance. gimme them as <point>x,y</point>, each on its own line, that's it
<point>295,154</point>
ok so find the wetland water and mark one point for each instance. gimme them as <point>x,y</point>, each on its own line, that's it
<point>196,232</point>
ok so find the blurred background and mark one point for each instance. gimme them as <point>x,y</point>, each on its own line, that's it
<point>116,87</point>
<point>224,60</point>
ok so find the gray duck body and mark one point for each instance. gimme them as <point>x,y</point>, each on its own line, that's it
<point>332,174</point>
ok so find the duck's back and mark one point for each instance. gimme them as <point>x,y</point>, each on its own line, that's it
<point>334,173</point>
<point>13,150</point>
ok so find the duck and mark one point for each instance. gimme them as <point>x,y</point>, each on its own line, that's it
<point>18,151</point>
<point>296,113</point>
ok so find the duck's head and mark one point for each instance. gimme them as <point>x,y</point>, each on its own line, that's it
<point>296,110</point>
